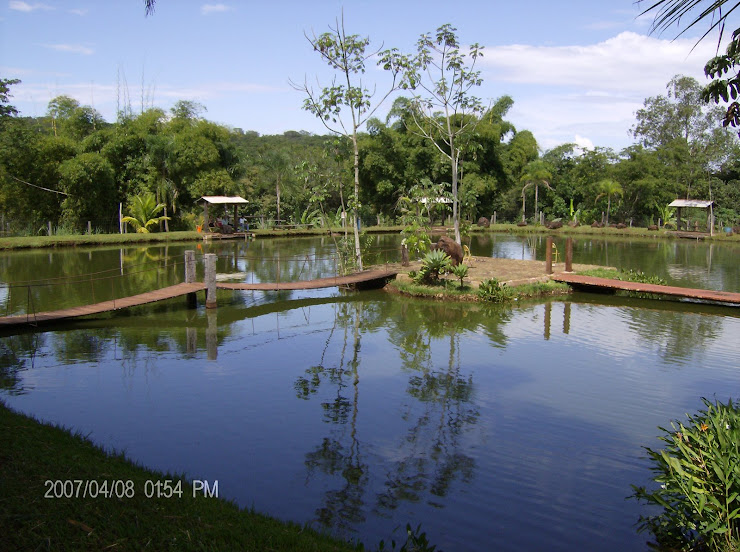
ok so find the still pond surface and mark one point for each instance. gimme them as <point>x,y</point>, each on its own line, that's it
<point>515,427</point>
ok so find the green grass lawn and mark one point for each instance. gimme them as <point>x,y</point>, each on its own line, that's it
<point>33,454</point>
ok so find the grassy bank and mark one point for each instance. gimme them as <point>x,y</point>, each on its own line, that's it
<point>32,453</point>
<point>452,291</point>
<point>28,242</point>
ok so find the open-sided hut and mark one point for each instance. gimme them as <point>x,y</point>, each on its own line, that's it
<point>682,204</point>
<point>226,202</point>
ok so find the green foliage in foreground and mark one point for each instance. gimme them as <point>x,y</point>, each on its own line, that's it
<point>698,473</point>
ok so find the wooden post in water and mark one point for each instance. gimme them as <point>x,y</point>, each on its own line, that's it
<point>191,298</point>
<point>211,281</point>
<point>548,256</point>
<point>569,255</point>
<point>211,334</point>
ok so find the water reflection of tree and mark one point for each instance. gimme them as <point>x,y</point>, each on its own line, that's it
<point>16,352</point>
<point>343,507</point>
<point>677,335</point>
<point>431,454</point>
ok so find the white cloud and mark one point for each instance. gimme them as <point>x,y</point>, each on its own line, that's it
<point>71,48</point>
<point>207,9</point>
<point>583,143</point>
<point>26,7</point>
<point>80,12</point>
<point>626,62</point>
<point>589,91</point>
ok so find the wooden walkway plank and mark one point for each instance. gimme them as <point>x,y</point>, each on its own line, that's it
<point>178,290</point>
<point>577,280</point>
<point>169,292</point>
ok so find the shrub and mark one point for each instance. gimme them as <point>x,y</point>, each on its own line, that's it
<point>698,473</point>
<point>433,265</point>
<point>460,271</point>
<point>493,291</point>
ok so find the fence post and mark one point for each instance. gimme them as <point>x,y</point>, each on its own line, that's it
<point>49,227</point>
<point>548,256</point>
<point>211,281</point>
<point>494,217</point>
<point>89,227</point>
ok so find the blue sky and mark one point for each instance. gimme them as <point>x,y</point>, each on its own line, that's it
<point>577,70</point>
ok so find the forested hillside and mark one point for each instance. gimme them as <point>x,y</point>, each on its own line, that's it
<point>71,166</point>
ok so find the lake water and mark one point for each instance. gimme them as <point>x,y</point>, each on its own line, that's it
<point>515,427</point>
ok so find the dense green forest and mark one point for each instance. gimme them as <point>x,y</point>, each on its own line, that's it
<point>71,166</point>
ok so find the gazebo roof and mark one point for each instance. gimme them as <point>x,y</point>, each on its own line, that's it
<point>225,200</point>
<point>700,203</point>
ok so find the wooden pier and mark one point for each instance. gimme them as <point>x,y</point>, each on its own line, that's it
<point>609,285</point>
<point>362,280</point>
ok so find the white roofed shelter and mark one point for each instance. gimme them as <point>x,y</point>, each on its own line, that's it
<point>226,201</point>
<point>680,204</point>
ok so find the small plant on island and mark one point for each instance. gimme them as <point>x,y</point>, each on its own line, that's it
<point>460,271</point>
<point>493,291</point>
<point>433,265</point>
<point>698,478</point>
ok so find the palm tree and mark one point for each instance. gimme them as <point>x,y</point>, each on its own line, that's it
<point>144,213</point>
<point>608,188</point>
<point>536,173</point>
<point>669,13</point>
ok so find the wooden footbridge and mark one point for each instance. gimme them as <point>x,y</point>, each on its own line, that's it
<point>610,285</point>
<point>360,280</point>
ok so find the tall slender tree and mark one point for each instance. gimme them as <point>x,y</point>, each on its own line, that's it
<point>347,104</point>
<point>446,112</point>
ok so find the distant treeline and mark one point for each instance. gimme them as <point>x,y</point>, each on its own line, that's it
<point>71,166</point>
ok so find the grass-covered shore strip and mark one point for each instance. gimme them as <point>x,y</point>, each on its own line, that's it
<point>27,242</point>
<point>32,453</point>
<point>451,291</point>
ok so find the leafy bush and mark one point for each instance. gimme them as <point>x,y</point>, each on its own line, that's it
<point>433,265</point>
<point>638,276</point>
<point>493,291</point>
<point>698,474</point>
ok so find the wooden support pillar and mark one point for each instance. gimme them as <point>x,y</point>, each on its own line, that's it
<point>206,226</point>
<point>569,255</point>
<point>211,281</point>
<point>211,335</point>
<point>548,256</point>
<point>191,298</point>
